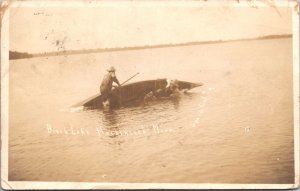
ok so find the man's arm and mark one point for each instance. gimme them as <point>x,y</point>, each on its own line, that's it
<point>115,79</point>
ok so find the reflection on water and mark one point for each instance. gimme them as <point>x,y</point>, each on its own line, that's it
<point>176,101</point>
<point>110,118</point>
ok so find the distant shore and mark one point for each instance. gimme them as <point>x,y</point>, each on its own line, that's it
<point>13,55</point>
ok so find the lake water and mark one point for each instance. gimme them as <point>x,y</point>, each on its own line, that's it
<point>237,128</point>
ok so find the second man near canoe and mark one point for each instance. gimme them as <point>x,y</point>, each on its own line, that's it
<point>106,85</point>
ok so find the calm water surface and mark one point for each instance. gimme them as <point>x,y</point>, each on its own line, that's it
<point>237,128</point>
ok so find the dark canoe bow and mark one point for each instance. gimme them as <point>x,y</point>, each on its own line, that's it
<point>134,92</point>
<point>187,85</point>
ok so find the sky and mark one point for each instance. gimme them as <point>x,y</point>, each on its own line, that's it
<point>49,29</point>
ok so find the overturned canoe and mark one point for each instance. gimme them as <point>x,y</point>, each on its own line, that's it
<point>134,92</point>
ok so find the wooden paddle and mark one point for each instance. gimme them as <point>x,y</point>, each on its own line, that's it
<point>127,80</point>
<point>130,78</point>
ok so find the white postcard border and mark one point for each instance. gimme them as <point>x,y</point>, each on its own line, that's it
<point>5,184</point>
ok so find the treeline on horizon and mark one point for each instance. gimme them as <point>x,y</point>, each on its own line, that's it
<point>13,55</point>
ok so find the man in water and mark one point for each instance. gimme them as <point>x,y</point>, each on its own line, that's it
<point>106,85</point>
<point>173,88</point>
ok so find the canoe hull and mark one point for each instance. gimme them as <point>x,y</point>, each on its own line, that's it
<point>133,92</point>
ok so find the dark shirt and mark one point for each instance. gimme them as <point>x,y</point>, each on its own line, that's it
<point>107,82</point>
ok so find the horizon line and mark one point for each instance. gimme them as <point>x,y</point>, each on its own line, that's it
<point>100,50</point>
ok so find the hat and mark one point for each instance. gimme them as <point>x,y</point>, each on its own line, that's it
<point>111,69</point>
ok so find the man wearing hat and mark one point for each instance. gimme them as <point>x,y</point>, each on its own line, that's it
<point>107,82</point>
